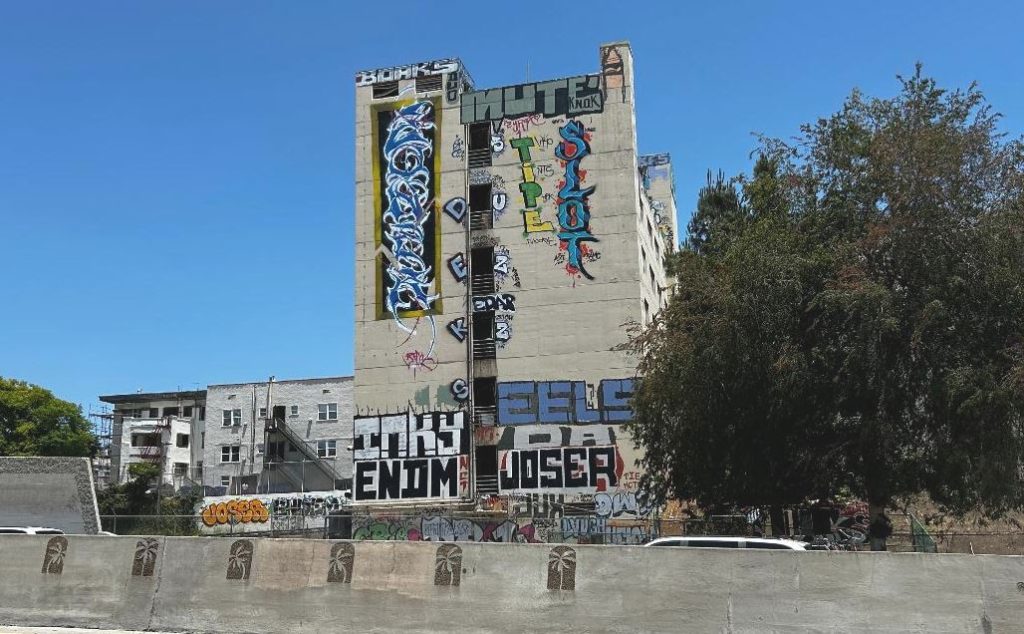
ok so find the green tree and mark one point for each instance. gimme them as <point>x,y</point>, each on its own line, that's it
<point>861,328</point>
<point>34,422</point>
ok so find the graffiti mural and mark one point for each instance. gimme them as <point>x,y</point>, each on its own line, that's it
<point>436,528</point>
<point>456,209</point>
<point>448,565</point>
<point>406,182</point>
<point>459,390</point>
<point>410,71</point>
<point>270,511</point>
<point>410,456</point>
<point>573,96</point>
<point>530,189</point>
<point>573,198</point>
<point>539,402</point>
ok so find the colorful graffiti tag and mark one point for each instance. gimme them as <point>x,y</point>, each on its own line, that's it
<point>235,512</point>
<point>540,402</point>
<point>408,235</point>
<point>572,96</point>
<point>410,456</point>
<point>573,198</point>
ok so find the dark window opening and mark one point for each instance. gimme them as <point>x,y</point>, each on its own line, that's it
<point>481,266</point>
<point>485,393</point>
<point>484,346</point>
<point>428,84</point>
<point>170,411</point>
<point>385,89</point>
<point>479,144</point>
<point>487,461</point>
<point>186,411</point>
<point>480,214</point>
<point>279,412</point>
<point>154,412</point>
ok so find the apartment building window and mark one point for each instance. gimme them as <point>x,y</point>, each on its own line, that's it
<point>327,448</point>
<point>481,266</point>
<point>385,89</point>
<point>180,469</point>
<point>182,440</point>
<point>199,470</point>
<point>202,440</point>
<point>230,453</point>
<point>186,411</point>
<point>480,144</point>
<point>484,344</point>
<point>231,417</point>
<point>202,413</point>
<point>170,411</point>
<point>327,411</point>
<point>145,440</point>
<point>295,410</point>
<point>263,412</point>
<point>154,412</point>
<point>225,481</point>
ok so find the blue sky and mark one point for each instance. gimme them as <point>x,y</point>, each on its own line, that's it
<point>176,177</point>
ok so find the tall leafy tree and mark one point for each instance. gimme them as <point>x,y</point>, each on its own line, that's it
<point>34,422</point>
<point>861,328</point>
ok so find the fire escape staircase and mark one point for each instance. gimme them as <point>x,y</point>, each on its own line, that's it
<point>277,426</point>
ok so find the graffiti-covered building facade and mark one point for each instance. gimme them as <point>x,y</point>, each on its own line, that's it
<point>504,236</point>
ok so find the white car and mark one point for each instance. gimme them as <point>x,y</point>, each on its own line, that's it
<point>709,541</point>
<point>29,530</point>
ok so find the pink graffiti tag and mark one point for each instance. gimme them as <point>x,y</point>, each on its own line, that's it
<point>416,360</point>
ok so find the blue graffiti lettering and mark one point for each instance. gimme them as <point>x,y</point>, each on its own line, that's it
<point>573,200</point>
<point>565,402</point>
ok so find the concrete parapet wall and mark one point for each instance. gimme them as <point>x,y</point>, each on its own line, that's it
<point>273,585</point>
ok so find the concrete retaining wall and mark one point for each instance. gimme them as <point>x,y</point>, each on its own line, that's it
<point>273,585</point>
<point>55,492</point>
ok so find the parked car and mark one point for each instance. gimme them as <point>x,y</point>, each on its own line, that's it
<point>29,530</point>
<point>708,541</point>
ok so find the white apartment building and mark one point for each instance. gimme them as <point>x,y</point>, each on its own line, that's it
<point>159,428</point>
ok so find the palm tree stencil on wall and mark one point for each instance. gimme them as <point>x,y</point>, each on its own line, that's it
<point>53,557</point>
<point>145,557</point>
<point>240,560</point>
<point>448,566</point>
<point>562,568</point>
<point>339,570</point>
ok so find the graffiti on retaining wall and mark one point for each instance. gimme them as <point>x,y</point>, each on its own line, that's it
<point>410,456</point>
<point>574,199</point>
<point>406,183</point>
<point>438,528</point>
<point>542,402</point>
<point>410,71</point>
<point>573,96</point>
<point>270,511</point>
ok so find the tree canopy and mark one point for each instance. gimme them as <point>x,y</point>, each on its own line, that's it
<point>34,422</point>
<point>849,317</point>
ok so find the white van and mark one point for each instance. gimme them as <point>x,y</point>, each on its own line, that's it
<point>710,541</point>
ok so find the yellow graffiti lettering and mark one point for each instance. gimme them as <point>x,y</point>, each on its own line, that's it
<point>532,222</point>
<point>235,511</point>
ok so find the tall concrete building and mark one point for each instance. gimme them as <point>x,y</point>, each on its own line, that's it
<point>504,236</point>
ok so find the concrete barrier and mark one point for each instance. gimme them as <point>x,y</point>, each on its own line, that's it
<point>273,585</point>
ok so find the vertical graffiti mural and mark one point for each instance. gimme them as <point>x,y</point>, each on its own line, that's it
<point>406,184</point>
<point>573,198</point>
<point>612,67</point>
<point>530,189</point>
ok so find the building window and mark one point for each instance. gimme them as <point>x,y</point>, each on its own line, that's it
<point>202,440</point>
<point>230,453</point>
<point>225,481</point>
<point>327,448</point>
<point>327,411</point>
<point>145,440</point>
<point>275,450</point>
<point>170,411</point>
<point>182,440</point>
<point>431,83</point>
<point>232,417</point>
<point>199,470</point>
<point>180,469</point>
<point>295,410</point>
<point>186,411</point>
<point>202,413</point>
<point>154,412</point>
<point>479,144</point>
<point>263,412</point>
